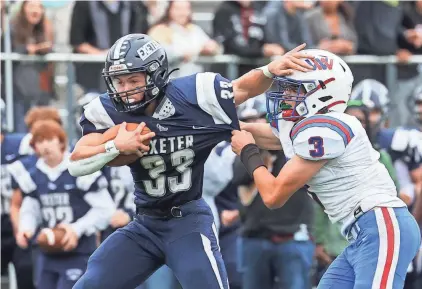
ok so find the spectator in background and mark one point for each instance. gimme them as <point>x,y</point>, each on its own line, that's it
<point>276,244</point>
<point>331,27</point>
<point>31,33</point>
<point>380,30</point>
<point>408,74</point>
<point>183,40</point>
<point>239,25</point>
<point>155,9</point>
<point>286,24</point>
<point>95,26</point>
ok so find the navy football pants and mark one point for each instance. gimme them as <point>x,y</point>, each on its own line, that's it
<point>188,245</point>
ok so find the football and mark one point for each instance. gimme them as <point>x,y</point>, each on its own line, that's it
<point>111,133</point>
<point>50,240</point>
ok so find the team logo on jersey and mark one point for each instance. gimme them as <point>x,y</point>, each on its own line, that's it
<point>73,274</point>
<point>321,63</point>
<point>162,128</point>
<point>69,187</point>
<point>52,186</point>
<point>165,110</point>
<point>148,49</point>
<point>9,157</point>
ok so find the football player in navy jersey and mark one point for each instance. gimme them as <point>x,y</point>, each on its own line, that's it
<point>369,103</point>
<point>18,167</point>
<point>54,198</point>
<point>14,146</point>
<point>188,116</point>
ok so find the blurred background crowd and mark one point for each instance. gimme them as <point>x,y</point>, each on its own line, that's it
<point>285,248</point>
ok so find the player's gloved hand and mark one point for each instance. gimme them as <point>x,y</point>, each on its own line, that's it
<point>240,139</point>
<point>70,239</point>
<point>289,62</point>
<point>119,219</point>
<point>22,238</point>
<point>132,142</point>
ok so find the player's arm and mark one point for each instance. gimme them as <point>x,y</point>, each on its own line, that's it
<point>29,219</point>
<point>275,191</point>
<point>15,205</point>
<point>263,135</point>
<point>257,81</point>
<point>100,201</point>
<point>94,150</point>
<point>22,183</point>
<point>314,143</point>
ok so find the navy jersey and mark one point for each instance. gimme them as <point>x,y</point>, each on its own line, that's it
<point>121,187</point>
<point>13,147</point>
<point>54,197</point>
<point>196,113</point>
<point>402,143</point>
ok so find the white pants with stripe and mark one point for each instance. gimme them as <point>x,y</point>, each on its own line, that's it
<point>384,244</point>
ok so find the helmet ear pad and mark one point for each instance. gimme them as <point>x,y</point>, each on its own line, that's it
<point>159,78</point>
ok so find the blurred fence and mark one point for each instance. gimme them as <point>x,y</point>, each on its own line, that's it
<point>231,63</point>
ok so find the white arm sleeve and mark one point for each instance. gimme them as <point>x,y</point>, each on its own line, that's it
<point>29,214</point>
<point>98,217</point>
<point>91,165</point>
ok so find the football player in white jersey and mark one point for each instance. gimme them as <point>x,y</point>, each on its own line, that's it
<point>330,152</point>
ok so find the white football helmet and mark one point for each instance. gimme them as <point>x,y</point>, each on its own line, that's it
<point>303,94</point>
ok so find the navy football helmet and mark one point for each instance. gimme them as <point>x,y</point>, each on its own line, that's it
<point>416,104</point>
<point>136,53</point>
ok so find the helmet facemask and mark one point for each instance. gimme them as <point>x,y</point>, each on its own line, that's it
<point>289,101</point>
<point>123,101</point>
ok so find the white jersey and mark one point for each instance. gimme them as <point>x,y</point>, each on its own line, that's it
<point>353,178</point>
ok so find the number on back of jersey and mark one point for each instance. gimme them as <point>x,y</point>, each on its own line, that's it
<point>226,90</point>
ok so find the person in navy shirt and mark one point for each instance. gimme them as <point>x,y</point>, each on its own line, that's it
<point>80,205</point>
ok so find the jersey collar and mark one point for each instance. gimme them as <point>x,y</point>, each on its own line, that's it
<point>54,173</point>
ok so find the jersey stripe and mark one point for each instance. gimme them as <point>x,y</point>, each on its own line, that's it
<point>207,99</point>
<point>324,121</point>
<point>21,177</point>
<point>97,114</point>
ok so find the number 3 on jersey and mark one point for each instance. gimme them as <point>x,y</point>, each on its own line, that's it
<point>318,146</point>
<point>155,165</point>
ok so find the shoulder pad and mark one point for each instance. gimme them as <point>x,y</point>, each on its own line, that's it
<point>215,96</point>
<point>320,137</point>
<point>22,177</point>
<point>97,114</point>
